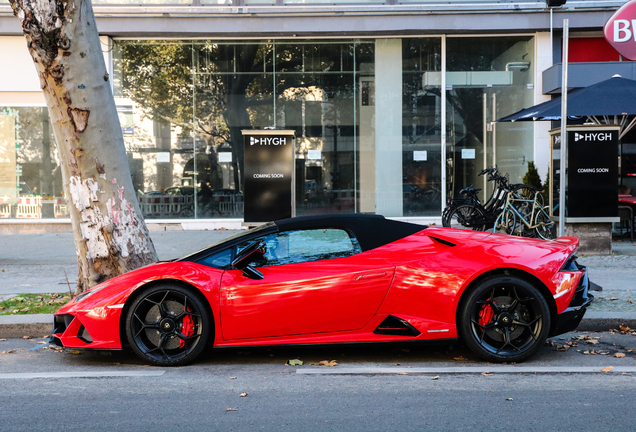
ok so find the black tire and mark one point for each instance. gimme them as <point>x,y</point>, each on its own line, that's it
<point>504,319</point>
<point>506,223</point>
<point>547,231</point>
<point>466,216</point>
<point>168,325</point>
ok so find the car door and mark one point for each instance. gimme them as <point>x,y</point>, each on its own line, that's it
<point>315,281</point>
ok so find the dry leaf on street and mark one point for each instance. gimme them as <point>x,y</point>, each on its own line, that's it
<point>509,399</point>
<point>26,337</point>
<point>244,394</point>
<point>607,369</point>
<point>613,298</point>
<point>624,328</point>
<point>435,378</point>
<point>3,340</point>
<point>294,362</point>
<point>74,352</point>
<point>402,373</point>
<point>328,363</point>
<point>619,355</point>
<point>232,377</point>
<point>592,341</point>
<point>460,358</point>
<point>231,409</point>
<point>8,352</point>
<point>486,373</point>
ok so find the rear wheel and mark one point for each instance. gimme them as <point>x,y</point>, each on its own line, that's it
<point>168,325</point>
<point>466,217</point>
<point>504,318</point>
<point>547,228</point>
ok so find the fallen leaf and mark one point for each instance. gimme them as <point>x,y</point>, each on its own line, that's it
<point>619,355</point>
<point>562,347</point>
<point>41,343</point>
<point>2,340</point>
<point>460,358</point>
<point>294,362</point>
<point>328,363</point>
<point>26,337</point>
<point>231,409</point>
<point>402,373</point>
<point>435,378</point>
<point>8,352</point>
<point>232,377</point>
<point>486,373</point>
<point>613,298</point>
<point>74,352</point>
<point>607,369</point>
<point>592,341</point>
<point>629,301</point>
<point>509,399</point>
<point>624,328</point>
<point>244,394</point>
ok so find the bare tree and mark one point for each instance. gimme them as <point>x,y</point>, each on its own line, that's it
<point>109,231</point>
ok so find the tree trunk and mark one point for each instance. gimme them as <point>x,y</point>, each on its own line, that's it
<point>110,235</point>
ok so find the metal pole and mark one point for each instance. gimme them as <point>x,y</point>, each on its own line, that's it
<point>494,130</point>
<point>443,124</point>
<point>564,122</point>
<point>485,138</point>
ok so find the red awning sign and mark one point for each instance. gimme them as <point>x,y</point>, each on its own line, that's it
<point>620,30</point>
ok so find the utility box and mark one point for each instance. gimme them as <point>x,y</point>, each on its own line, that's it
<point>591,183</point>
<point>268,175</point>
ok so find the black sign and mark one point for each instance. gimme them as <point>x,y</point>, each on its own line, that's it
<point>268,175</point>
<point>592,172</point>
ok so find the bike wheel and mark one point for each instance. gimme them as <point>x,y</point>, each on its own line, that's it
<point>506,223</point>
<point>466,217</point>
<point>546,228</point>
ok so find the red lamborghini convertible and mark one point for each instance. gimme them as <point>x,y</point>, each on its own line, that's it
<point>338,279</point>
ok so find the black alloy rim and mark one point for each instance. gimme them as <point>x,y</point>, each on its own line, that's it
<point>506,320</point>
<point>166,326</point>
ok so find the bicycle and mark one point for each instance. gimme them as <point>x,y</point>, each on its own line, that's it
<point>526,217</point>
<point>469,213</point>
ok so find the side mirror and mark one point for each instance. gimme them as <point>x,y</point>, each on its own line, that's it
<point>248,255</point>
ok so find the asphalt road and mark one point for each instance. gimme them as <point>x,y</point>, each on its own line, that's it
<point>383,389</point>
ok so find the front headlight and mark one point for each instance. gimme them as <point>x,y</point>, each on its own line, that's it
<point>88,293</point>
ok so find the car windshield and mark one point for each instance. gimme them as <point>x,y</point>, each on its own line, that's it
<point>231,239</point>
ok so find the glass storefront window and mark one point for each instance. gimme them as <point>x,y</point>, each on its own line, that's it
<point>183,106</point>
<point>487,78</point>
<point>421,126</point>
<point>30,177</point>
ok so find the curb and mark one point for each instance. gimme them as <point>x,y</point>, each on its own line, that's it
<point>18,326</point>
<point>38,325</point>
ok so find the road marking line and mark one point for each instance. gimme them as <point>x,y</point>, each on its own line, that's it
<point>462,370</point>
<point>79,374</point>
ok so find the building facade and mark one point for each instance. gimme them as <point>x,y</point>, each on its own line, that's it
<point>393,103</point>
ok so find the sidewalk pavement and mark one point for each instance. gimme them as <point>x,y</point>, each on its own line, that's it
<point>47,263</point>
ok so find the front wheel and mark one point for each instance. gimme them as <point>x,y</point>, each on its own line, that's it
<point>466,217</point>
<point>504,318</point>
<point>168,325</point>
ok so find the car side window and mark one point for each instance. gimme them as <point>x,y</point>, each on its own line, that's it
<point>291,247</point>
<point>221,259</point>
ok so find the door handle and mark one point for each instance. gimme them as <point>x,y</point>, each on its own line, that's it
<point>368,276</point>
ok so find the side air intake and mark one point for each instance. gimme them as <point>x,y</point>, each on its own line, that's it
<point>395,326</point>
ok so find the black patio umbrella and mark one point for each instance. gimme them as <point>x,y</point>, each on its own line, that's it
<point>609,102</point>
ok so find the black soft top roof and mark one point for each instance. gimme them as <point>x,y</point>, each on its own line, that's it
<point>372,231</point>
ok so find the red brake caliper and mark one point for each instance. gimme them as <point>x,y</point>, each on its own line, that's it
<point>187,328</point>
<point>485,314</point>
